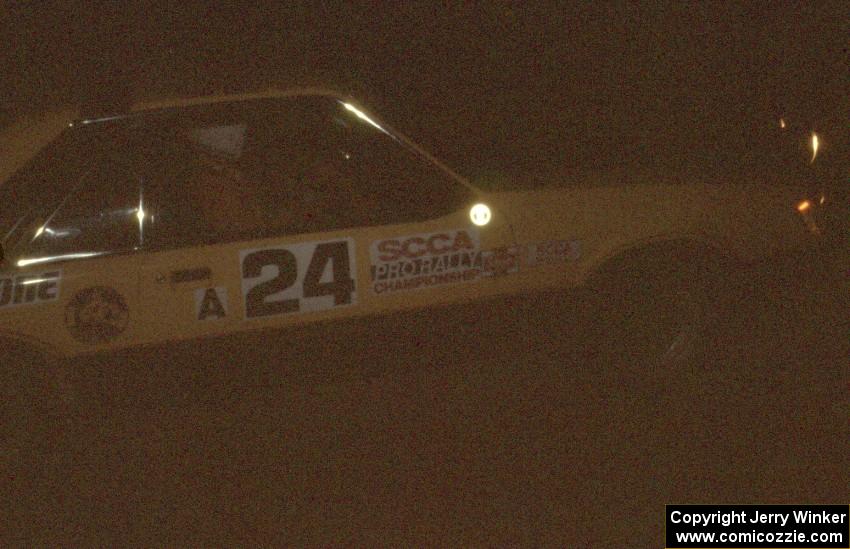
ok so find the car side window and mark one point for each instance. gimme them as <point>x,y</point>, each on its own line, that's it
<point>342,169</point>
<point>295,166</point>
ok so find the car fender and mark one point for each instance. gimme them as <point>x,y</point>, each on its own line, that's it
<point>644,258</point>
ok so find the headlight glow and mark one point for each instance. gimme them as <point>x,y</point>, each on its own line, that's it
<point>480,214</point>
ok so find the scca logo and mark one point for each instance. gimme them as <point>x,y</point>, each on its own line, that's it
<point>418,246</point>
<point>29,289</point>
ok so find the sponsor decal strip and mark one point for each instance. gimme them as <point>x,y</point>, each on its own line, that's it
<point>29,289</point>
<point>425,260</point>
<point>554,251</point>
<point>434,259</point>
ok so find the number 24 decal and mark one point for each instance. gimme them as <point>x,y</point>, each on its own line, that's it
<point>272,283</point>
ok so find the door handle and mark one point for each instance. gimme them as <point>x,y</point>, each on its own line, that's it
<point>190,275</point>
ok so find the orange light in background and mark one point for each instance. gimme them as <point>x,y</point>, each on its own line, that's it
<point>804,206</point>
<point>782,123</point>
<point>815,145</point>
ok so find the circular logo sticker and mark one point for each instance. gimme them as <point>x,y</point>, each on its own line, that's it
<point>96,315</point>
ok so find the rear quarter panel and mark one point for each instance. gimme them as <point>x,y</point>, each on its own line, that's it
<point>745,222</point>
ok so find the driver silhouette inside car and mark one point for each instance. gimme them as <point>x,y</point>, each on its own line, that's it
<point>227,200</point>
<point>302,188</point>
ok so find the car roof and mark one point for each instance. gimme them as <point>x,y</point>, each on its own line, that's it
<point>25,136</point>
<point>173,102</point>
<point>95,113</point>
<point>20,142</point>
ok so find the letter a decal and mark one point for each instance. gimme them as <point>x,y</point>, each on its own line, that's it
<point>211,303</point>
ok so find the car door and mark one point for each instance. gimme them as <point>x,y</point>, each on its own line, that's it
<point>299,211</point>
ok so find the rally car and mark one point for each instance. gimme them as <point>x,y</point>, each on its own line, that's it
<point>191,220</point>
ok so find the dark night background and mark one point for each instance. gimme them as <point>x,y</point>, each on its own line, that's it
<point>513,440</point>
<point>496,89</point>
